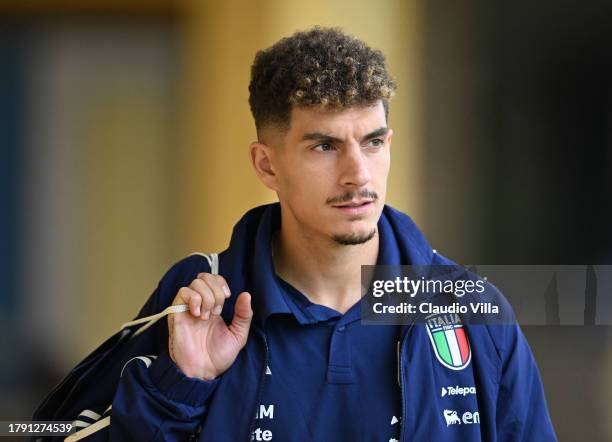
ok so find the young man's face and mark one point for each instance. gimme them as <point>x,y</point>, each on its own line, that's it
<point>330,173</point>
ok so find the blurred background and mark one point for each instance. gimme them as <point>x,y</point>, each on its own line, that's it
<point>124,132</point>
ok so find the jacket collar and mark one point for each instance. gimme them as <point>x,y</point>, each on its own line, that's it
<point>401,242</point>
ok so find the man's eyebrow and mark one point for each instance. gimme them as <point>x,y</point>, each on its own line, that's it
<point>319,136</point>
<point>380,132</point>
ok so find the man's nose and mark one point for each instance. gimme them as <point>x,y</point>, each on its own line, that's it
<point>354,166</point>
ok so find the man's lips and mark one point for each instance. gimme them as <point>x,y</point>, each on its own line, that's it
<point>355,208</point>
<point>354,203</point>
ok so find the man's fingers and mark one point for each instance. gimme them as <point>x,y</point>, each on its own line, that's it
<point>205,295</point>
<point>208,298</point>
<point>195,303</point>
<point>190,297</point>
<point>219,289</point>
<point>243,313</point>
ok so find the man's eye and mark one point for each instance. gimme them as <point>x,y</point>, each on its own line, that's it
<point>376,142</point>
<point>323,147</point>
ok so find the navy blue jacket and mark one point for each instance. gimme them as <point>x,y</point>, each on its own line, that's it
<point>498,396</point>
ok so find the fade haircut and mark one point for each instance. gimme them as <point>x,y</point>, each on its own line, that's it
<point>318,67</point>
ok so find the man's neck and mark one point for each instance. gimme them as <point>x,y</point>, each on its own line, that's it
<point>326,272</point>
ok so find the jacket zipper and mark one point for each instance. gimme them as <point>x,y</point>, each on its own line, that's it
<point>403,384</point>
<point>261,382</point>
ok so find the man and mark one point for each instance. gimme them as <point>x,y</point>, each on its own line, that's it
<point>271,347</point>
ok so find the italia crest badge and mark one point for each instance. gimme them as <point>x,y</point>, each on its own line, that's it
<point>449,340</point>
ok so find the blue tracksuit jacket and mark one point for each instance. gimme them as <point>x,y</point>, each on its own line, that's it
<point>497,397</point>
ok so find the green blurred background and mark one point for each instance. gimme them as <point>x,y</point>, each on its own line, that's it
<point>124,132</point>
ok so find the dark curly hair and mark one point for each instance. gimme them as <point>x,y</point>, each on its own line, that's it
<point>321,66</point>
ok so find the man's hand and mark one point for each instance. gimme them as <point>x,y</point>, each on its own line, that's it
<point>200,343</point>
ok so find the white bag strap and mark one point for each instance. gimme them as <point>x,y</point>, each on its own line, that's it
<point>89,430</point>
<point>148,321</point>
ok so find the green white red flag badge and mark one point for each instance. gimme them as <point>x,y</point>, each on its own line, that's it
<point>449,340</point>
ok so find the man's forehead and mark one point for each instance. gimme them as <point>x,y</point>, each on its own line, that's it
<point>311,119</point>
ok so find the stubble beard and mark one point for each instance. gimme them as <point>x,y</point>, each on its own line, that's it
<point>354,239</point>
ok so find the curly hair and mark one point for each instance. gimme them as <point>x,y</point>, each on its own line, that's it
<point>321,66</point>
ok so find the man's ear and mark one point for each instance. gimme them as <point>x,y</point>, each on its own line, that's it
<point>261,159</point>
<point>389,136</point>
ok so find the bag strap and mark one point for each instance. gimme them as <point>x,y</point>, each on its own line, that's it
<point>148,321</point>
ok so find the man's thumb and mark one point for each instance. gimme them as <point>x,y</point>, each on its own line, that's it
<point>243,313</point>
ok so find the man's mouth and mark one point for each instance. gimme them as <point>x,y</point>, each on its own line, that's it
<point>354,203</point>
<point>356,207</point>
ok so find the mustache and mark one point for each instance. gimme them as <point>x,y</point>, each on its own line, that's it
<point>349,196</point>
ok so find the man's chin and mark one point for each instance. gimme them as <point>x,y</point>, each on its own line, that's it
<point>354,238</point>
